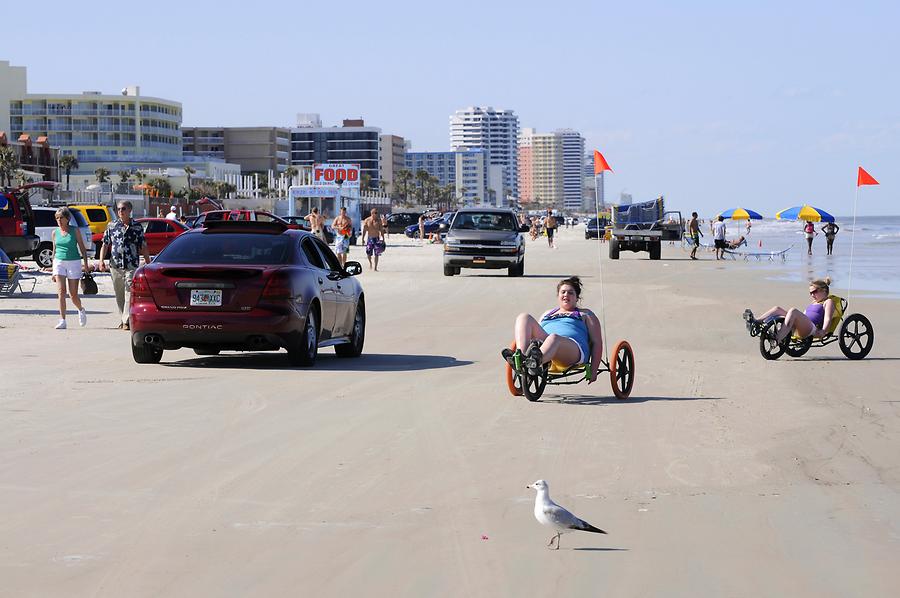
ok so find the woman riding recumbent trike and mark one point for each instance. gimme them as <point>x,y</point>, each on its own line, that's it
<point>564,347</point>
<point>824,321</point>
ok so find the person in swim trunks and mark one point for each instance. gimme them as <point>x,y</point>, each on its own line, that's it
<point>694,229</point>
<point>815,320</point>
<point>565,334</point>
<point>343,230</point>
<point>373,233</point>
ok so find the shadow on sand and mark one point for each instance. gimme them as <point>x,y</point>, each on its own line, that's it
<point>612,400</point>
<point>46,312</point>
<point>368,362</point>
<point>600,549</point>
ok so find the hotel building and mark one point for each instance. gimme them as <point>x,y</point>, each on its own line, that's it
<point>351,143</point>
<point>254,149</point>
<point>392,157</point>
<point>475,179</point>
<point>496,132</point>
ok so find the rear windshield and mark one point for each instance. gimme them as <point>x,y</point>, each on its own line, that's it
<point>97,214</point>
<point>485,221</point>
<point>227,248</point>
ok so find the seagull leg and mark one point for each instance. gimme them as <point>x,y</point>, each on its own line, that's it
<point>558,538</point>
<point>553,539</point>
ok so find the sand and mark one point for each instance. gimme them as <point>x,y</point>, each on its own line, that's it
<point>403,473</point>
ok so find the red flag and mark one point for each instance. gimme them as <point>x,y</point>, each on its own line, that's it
<point>600,163</point>
<point>862,178</point>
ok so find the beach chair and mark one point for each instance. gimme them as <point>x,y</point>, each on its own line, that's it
<point>758,255</point>
<point>11,278</point>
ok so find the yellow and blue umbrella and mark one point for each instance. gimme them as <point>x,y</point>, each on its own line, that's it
<point>4,202</point>
<point>805,212</point>
<point>741,214</point>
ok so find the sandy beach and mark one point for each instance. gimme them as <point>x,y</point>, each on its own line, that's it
<point>404,473</point>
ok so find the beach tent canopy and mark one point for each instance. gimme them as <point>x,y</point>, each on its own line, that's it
<point>741,214</point>
<point>805,212</point>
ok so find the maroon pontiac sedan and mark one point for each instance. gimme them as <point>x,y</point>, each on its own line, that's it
<point>247,286</point>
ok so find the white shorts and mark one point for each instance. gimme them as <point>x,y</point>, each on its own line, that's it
<point>71,269</point>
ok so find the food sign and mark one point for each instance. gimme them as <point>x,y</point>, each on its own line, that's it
<point>329,174</point>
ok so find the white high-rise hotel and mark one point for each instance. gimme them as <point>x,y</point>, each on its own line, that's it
<point>550,166</point>
<point>495,131</point>
<point>572,152</point>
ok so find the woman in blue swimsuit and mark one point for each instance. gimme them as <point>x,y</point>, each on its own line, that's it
<point>565,334</point>
<point>814,321</point>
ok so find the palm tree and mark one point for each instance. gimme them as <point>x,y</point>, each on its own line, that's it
<point>68,163</point>
<point>161,186</point>
<point>124,177</point>
<point>401,183</point>
<point>289,173</point>
<point>365,182</point>
<point>188,171</point>
<point>422,179</point>
<point>9,163</point>
<point>102,175</point>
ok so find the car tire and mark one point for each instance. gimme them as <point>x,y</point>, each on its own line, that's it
<point>517,270</point>
<point>358,337</point>
<point>43,255</point>
<point>614,249</point>
<point>303,349</point>
<point>655,251</point>
<point>450,270</point>
<point>146,353</point>
<point>206,352</point>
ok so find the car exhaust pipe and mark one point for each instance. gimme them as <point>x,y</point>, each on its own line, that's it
<point>153,339</point>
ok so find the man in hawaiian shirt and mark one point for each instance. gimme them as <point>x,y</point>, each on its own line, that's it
<point>124,239</point>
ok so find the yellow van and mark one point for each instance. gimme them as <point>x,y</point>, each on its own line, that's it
<point>98,217</point>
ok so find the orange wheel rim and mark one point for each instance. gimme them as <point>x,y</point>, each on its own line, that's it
<point>621,370</point>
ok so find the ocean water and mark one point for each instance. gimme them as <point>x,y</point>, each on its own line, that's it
<point>876,252</point>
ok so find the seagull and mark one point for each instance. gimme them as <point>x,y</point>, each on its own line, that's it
<point>549,513</point>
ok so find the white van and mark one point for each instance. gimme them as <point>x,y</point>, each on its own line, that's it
<point>45,223</point>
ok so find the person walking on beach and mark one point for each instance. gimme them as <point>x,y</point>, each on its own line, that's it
<point>695,234</point>
<point>68,255</point>
<point>343,228</point>
<point>373,235</point>
<point>124,240</point>
<point>550,225</point>
<point>719,237</point>
<point>830,229</point>
<point>809,231</point>
<point>316,223</point>
<point>422,228</point>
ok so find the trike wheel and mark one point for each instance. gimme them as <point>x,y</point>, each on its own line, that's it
<point>768,347</point>
<point>856,336</point>
<point>512,380</point>
<point>533,385</point>
<point>621,370</point>
<point>798,348</point>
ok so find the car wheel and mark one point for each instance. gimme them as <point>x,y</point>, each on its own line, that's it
<point>517,270</point>
<point>357,338</point>
<point>206,351</point>
<point>43,255</point>
<point>450,270</point>
<point>614,249</point>
<point>146,353</point>
<point>303,350</point>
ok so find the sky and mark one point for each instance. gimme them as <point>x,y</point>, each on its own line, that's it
<point>713,104</point>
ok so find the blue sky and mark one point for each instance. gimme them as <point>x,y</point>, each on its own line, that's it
<point>714,104</point>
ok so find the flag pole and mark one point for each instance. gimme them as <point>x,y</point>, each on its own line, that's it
<point>598,178</point>
<point>852,236</point>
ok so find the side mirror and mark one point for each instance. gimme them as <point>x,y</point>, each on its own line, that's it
<point>524,228</point>
<point>442,226</point>
<point>352,268</point>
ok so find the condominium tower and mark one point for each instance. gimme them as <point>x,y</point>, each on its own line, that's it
<point>495,131</point>
<point>550,168</point>
<point>572,151</point>
<point>254,149</point>
<point>475,180</point>
<point>351,143</point>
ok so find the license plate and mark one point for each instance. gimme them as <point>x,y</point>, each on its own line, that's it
<point>206,298</point>
<point>478,260</point>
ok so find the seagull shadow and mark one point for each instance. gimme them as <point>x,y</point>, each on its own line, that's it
<point>592,400</point>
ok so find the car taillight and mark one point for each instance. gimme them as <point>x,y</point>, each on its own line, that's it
<point>139,287</point>
<point>278,287</point>
<point>21,228</point>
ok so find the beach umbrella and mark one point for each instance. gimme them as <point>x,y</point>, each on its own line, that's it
<point>4,202</point>
<point>741,214</point>
<point>805,212</point>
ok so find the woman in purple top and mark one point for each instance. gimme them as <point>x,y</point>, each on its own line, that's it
<point>814,321</point>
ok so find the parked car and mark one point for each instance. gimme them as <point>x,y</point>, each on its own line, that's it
<point>431,226</point>
<point>247,286</point>
<point>595,227</point>
<point>17,236</point>
<point>485,238</point>
<point>159,232</point>
<point>399,221</point>
<point>238,215</point>
<point>45,224</point>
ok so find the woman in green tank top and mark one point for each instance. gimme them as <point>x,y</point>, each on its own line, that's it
<point>68,255</point>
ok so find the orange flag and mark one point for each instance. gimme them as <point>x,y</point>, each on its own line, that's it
<point>862,178</point>
<point>600,163</point>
